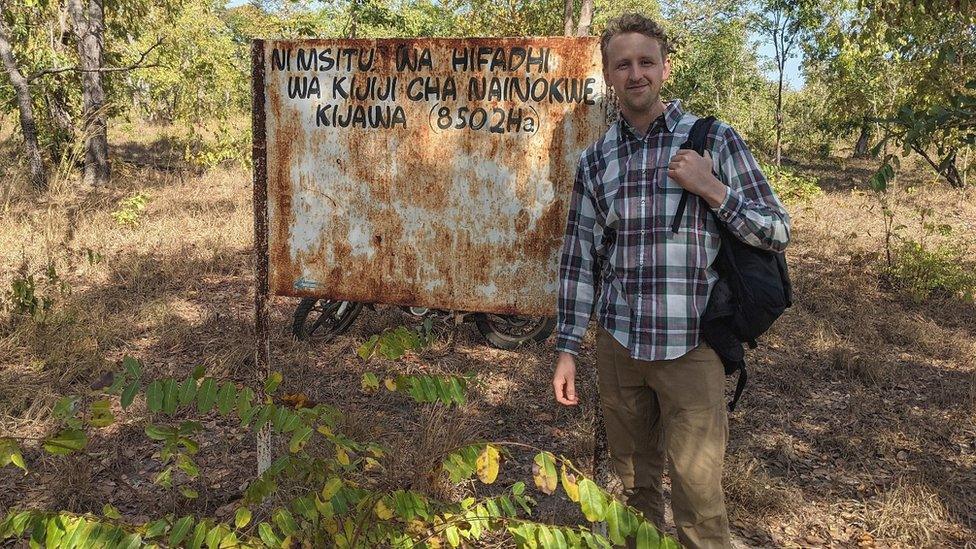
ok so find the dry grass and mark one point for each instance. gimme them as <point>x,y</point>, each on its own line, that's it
<point>908,512</point>
<point>856,390</point>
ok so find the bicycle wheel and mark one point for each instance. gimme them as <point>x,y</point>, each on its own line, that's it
<point>510,331</point>
<point>320,320</point>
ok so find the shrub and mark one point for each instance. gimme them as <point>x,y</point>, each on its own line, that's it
<point>791,186</point>
<point>923,271</point>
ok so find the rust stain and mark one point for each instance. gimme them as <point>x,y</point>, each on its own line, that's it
<point>417,212</point>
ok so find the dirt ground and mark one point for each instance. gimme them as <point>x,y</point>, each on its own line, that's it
<point>858,428</point>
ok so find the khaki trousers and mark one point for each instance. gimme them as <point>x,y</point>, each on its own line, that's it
<point>668,409</point>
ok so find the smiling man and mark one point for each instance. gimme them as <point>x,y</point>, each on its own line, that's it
<point>661,386</point>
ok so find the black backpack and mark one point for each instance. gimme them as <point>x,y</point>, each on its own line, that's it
<point>753,289</point>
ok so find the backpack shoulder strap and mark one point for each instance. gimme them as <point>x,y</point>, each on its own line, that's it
<point>695,142</point>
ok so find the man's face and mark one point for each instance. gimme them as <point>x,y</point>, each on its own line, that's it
<point>636,69</point>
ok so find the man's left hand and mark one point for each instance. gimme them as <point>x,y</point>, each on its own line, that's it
<point>694,173</point>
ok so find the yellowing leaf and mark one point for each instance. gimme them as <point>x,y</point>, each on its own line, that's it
<point>341,456</point>
<point>569,484</point>
<point>390,384</point>
<point>382,511</point>
<point>370,382</point>
<point>487,464</point>
<point>544,472</point>
<point>331,488</point>
<point>242,517</point>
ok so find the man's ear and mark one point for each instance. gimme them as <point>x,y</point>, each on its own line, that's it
<point>667,67</point>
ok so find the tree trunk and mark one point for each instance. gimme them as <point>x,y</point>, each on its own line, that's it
<point>568,18</point>
<point>861,147</point>
<point>952,174</point>
<point>585,18</point>
<point>779,117</point>
<point>38,175</point>
<point>90,32</point>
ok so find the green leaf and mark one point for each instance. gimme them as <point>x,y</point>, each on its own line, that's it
<point>331,488</point>
<point>132,541</point>
<point>170,396</point>
<point>199,372</point>
<point>187,466</point>
<point>245,398</point>
<point>669,543</point>
<point>518,488</point>
<point>159,432</point>
<point>189,493</point>
<point>215,535</point>
<point>366,349</point>
<point>66,407</point>
<point>111,512</point>
<point>154,396</point>
<point>164,478</point>
<point>101,414</point>
<point>187,392</point>
<point>206,395</point>
<point>66,442</point>
<point>370,382</point>
<point>592,501</point>
<point>242,517</point>
<point>10,453</point>
<point>267,534</point>
<point>647,536</point>
<point>285,522</point>
<point>157,528</point>
<point>132,366</point>
<point>299,438</point>
<point>226,398</point>
<point>272,383</point>
<point>621,523</point>
<point>129,394</point>
<point>199,534</point>
<point>180,530</point>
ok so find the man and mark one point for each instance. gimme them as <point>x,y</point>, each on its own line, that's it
<point>661,386</point>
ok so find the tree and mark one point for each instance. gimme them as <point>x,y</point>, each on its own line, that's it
<point>584,21</point>
<point>783,21</point>
<point>38,174</point>
<point>89,28</point>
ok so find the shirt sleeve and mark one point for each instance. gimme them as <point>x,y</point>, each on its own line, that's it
<point>576,267</point>
<point>751,210</point>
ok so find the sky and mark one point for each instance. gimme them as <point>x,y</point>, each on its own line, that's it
<point>792,75</point>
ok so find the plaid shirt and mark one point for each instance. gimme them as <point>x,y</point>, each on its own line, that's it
<point>653,284</point>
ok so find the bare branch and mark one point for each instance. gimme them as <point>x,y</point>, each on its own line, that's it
<point>137,65</point>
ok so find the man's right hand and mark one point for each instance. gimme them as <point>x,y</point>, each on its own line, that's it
<point>564,380</point>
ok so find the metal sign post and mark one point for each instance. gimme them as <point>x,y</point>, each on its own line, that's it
<point>262,354</point>
<point>423,172</point>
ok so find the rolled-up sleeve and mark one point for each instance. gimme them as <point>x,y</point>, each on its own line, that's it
<point>751,210</point>
<point>576,266</point>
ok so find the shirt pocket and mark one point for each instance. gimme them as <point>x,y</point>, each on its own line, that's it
<point>668,196</point>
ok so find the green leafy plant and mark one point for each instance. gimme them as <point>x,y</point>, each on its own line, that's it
<point>790,185</point>
<point>392,344</point>
<point>130,209</point>
<point>228,146</point>
<point>914,265</point>
<point>34,293</point>
<point>341,498</point>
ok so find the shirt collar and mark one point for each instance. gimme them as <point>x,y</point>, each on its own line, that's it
<point>669,118</point>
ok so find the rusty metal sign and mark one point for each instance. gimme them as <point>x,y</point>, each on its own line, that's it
<point>427,172</point>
